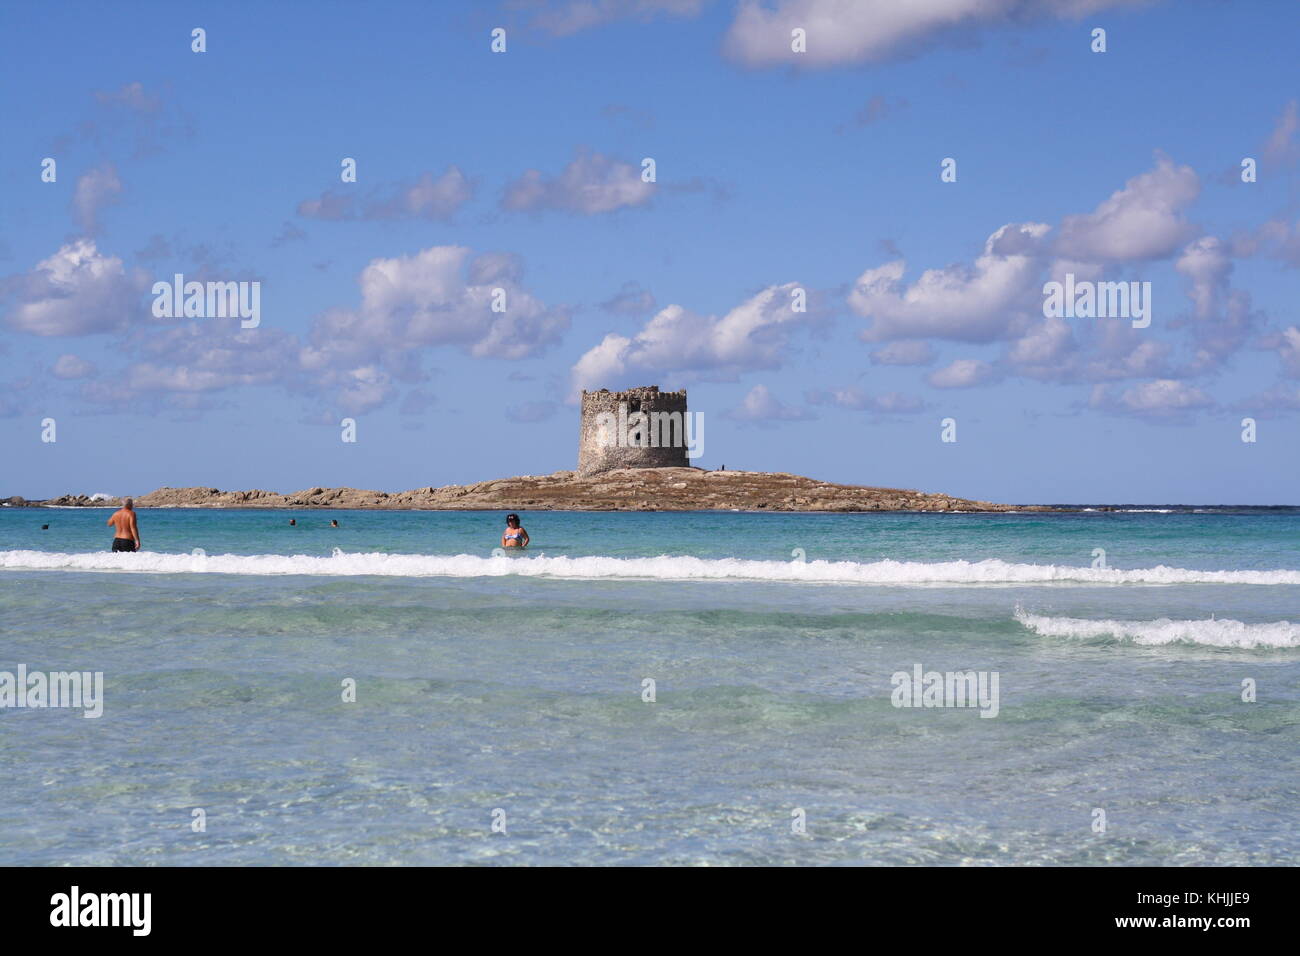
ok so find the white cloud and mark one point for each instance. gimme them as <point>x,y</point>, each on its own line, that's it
<point>761,407</point>
<point>440,296</point>
<point>73,366</point>
<point>424,300</point>
<point>1144,220</point>
<point>1288,349</point>
<point>1160,399</point>
<point>754,335</point>
<point>1280,148</point>
<point>852,397</point>
<point>359,356</point>
<point>962,373</point>
<point>1222,316</point>
<point>999,295</point>
<point>1207,263</point>
<point>976,303</point>
<point>867,31</point>
<point>95,189</point>
<point>590,184</point>
<point>427,198</point>
<point>76,291</point>
<point>1277,238</point>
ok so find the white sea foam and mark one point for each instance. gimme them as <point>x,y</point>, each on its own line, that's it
<point>1215,632</point>
<point>664,567</point>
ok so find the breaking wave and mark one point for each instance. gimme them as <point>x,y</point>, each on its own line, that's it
<point>1214,632</point>
<point>663,567</point>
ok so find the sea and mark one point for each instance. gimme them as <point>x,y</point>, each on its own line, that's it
<point>1099,687</point>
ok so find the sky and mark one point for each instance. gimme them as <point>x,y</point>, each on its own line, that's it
<point>506,244</point>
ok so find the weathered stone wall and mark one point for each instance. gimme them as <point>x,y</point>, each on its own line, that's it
<point>599,448</point>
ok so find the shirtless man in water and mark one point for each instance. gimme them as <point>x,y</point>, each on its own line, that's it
<point>127,536</point>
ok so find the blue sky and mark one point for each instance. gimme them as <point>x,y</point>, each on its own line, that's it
<point>774,170</point>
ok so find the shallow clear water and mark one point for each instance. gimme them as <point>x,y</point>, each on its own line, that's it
<point>516,683</point>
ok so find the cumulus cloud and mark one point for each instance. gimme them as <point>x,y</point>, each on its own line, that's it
<point>94,190</point>
<point>1276,238</point>
<point>429,197</point>
<point>1162,399</point>
<point>999,295</point>
<point>1287,345</point>
<point>72,367</point>
<point>180,365</point>
<point>1144,220</point>
<point>852,397</point>
<point>592,183</point>
<point>75,291</point>
<point>971,303</point>
<point>1280,147</point>
<point>761,407</point>
<point>356,357</point>
<point>962,373</point>
<point>208,355</point>
<point>440,296</point>
<point>867,31</point>
<point>1222,317</point>
<point>676,342</point>
<point>1099,350</point>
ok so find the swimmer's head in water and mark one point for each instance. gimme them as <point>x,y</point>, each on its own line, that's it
<point>512,519</point>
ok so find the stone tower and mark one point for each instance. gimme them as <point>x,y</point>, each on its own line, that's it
<point>638,428</point>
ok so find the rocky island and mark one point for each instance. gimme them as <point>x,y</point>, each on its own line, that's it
<point>621,489</point>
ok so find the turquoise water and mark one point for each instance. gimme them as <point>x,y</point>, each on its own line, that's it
<point>516,683</point>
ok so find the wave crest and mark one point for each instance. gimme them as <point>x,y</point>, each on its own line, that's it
<point>1214,632</point>
<point>663,567</point>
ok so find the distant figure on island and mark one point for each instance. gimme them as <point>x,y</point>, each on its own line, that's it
<point>514,536</point>
<point>127,530</point>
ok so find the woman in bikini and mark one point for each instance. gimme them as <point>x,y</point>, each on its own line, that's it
<point>514,536</point>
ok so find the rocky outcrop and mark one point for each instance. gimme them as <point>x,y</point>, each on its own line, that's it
<point>627,489</point>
